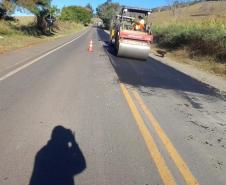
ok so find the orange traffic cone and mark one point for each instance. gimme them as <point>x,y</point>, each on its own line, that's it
<point>90,46</point>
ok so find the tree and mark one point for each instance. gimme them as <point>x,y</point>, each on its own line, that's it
<point>6,8</point>
<point>89,6</point>
<point>3,12</point>
<point>40,8</point>
<point>107,11</point>
<point>76,14</point>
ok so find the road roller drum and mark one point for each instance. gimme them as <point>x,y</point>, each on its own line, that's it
<point>137,50</point>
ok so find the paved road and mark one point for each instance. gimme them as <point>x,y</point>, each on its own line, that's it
<point>82,118</point>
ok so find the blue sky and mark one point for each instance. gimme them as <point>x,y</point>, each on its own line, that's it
<point>95,3</point>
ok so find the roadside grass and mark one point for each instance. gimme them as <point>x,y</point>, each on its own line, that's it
<point>23,33</point>
<point>204,63</point>
<point>202,39</point>
<point>190,14</point>
<point>206,38</point>
<point>25,20</point>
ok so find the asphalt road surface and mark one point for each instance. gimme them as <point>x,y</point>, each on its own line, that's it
<point>77,118</point>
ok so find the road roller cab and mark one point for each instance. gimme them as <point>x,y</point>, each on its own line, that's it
<point>131,33</point>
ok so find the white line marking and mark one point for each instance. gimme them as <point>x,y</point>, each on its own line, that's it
<point>39,58</point>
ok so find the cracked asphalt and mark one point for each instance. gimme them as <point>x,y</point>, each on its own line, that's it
<point>73,117</point>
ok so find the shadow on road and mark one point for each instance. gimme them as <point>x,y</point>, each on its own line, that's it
<point>153,73</point>
<point>59,160</point>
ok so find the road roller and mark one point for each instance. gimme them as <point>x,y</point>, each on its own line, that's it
<point>130,33</point>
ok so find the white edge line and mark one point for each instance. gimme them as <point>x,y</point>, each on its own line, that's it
<point>39,58</point>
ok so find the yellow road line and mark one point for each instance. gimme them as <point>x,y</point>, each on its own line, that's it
<point>152,147</point>
<point>181,165</point>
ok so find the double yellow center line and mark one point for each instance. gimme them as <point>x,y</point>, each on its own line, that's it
<point>160,163</point>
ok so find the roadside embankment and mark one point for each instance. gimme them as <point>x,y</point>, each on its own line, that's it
<point>23,33</point>
<point>194,35</point>
<point>204,42</point>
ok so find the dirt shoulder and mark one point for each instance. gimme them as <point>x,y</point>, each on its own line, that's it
<point>195,69</point>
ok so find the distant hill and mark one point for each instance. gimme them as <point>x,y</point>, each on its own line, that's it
<point>194,12</point>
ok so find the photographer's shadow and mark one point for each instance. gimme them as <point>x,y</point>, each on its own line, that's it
<point>59,160</point>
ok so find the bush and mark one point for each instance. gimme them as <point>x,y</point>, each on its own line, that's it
<point>202,39</point>
<point>76,14</point>
<point>107,11</point>
<point>6,28</point>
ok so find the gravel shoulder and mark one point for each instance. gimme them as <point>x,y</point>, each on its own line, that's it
<point>213,80</point>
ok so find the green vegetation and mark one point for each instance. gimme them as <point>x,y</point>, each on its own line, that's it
<point>22,33</point>
<point>47,23</point>
<point>76,14</point>
<point>198,30</point>
<point>42,9</point>
<point>107,11</point>
<point>201,39</point>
